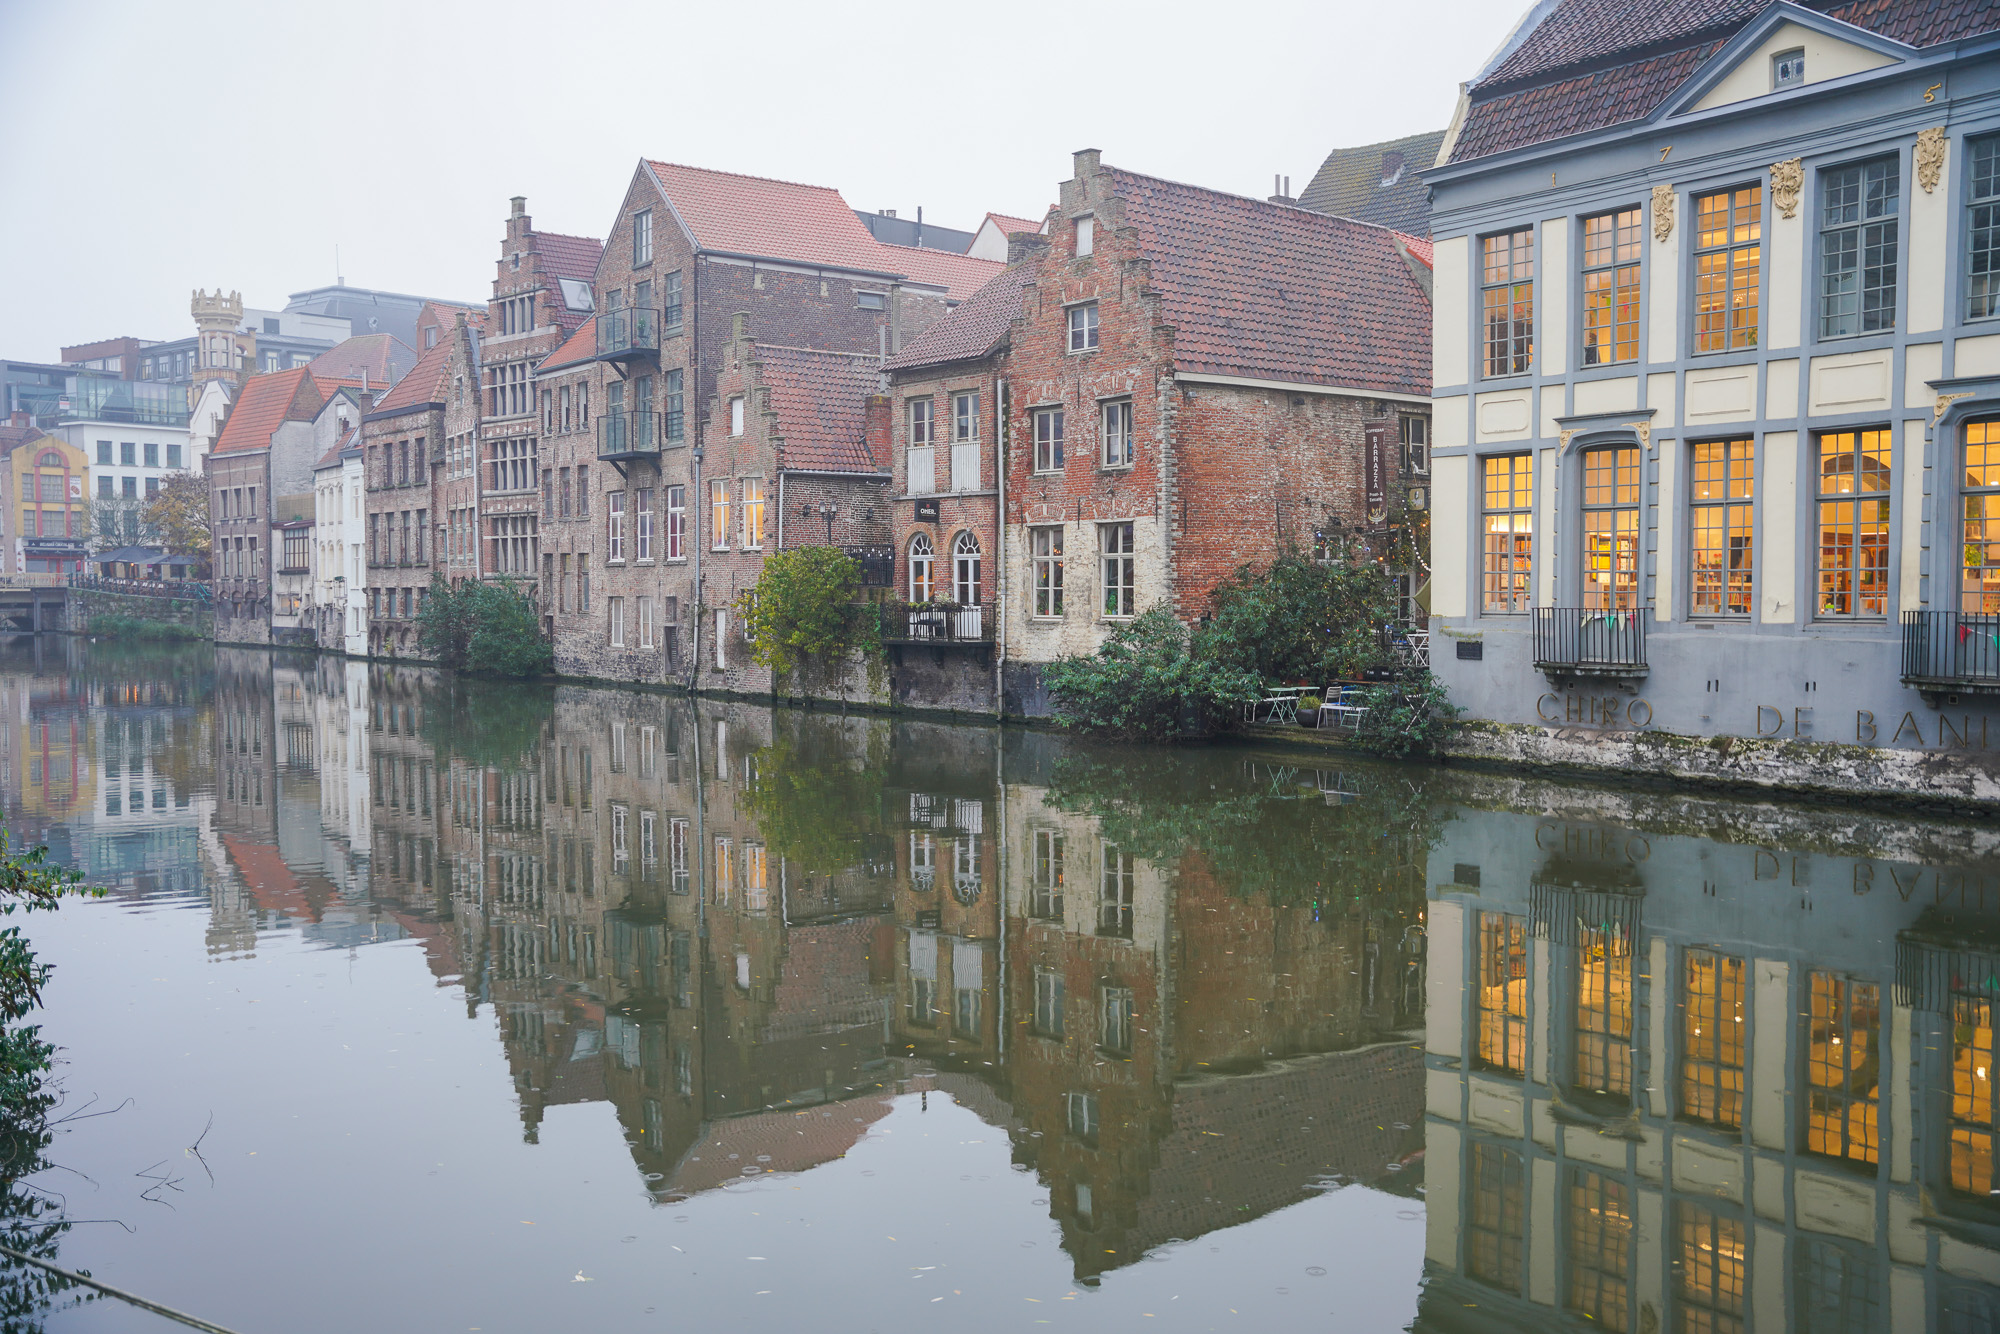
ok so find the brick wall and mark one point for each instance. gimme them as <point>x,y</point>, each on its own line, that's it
<point>397,500</point>
<point>242,599</point>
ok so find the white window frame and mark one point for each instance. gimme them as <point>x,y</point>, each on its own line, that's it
<point>643,523</point>
<point>1118,570</point>
<point>736,415</point>
<point>1045,547</point>
<point>614,610</point>
<point>614,527</point>
<point>965,416</point>
<point>1082,324</point>
<point>752,511</point>
<point>922,421</point>
<point>1086,235</point>
<point>721,638</point>
<point>1116,448</point>
<point>718,514</point>
<point>645,621</point>
<point>676,523</point>
<point>642,237</point>
<point>1048,425</point>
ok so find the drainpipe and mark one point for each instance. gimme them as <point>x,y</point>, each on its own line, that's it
<point>1000,546</point>
<point>781,509</point>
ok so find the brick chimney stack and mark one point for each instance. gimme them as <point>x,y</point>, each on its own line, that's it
<point>876,429</point>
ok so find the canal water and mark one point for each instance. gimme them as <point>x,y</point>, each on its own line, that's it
<point>420,1005</point>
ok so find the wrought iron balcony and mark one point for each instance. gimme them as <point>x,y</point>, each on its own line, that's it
<point>1950,651</point>
<point>936,623</point>
<point>628,435</point>
<point>627,333</point>
<point>1582,641</point>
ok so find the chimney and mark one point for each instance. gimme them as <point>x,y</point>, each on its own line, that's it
<point>1083,163</point>
<point>1020,245</point>
<point>518,222</point>
<point>739,325</point>
<point>875,431</point>
<point>1281,187</point>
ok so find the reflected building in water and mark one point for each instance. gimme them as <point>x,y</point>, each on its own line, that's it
<point>1694,1071</point>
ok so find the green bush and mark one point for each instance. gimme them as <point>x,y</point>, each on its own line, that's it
<point>112,626</point>
<point>1149,682</point>
<point>804,617</point>
<point>1300,619</point>
<point>476,626</point>
<point>1412,716</point>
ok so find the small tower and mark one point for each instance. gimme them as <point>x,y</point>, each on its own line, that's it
<point>219,350</point>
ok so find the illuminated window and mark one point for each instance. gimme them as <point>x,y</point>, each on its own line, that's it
<point>725,872</point>
<point>1498,1216</point>
<point>1853,523</point>
<point>1503,992</point>
<point>1728,261</point>
<point>753,513</point>
<point>1508,301</point>
<point>1979,592</point>
<point>1510,526</point>
<point>1611,288</point>
<point>1712,1038</point>
<point>1611,529</point>
<point>1600,1247</point>
<point>923,568</point>
<point>1722,523</point>
<point>1602,1042</point>
<point>1711,1255</point>
<point>1842,1069</point>
<point>1047,554</point>
<point>1971,1153</point>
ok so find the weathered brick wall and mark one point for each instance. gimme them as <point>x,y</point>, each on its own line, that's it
<point>242,601</point>
<point>394,568</point>
<point>85,604</point>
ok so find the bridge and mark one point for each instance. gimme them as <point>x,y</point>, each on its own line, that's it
<point>33,602</point>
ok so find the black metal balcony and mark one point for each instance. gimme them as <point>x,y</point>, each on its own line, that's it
<point>1951,652</point>
<point>627,333</point>
<point>628,435</point>
<point>936,623</point>
<point>1581,641</point>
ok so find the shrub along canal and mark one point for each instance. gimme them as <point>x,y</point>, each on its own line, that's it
<point>418,1004</point>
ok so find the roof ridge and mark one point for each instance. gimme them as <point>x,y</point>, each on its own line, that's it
<point>818,351</point>
<point>1251,199</point>
<point>743,175</point>
<point>568,236</point>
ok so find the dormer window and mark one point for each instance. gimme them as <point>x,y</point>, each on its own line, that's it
<point>1392,168</point>
<point>1086,235</point>
<point>1788,69</point>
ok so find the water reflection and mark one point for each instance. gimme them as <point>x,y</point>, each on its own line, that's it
<point>1640,1060</point>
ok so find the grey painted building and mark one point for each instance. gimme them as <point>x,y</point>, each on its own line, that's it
<point>1716,357</point>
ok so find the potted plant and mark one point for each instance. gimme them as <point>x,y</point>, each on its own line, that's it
<point>1308,713</point>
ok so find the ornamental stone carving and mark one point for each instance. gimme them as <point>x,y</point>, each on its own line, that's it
<point>1663,212</point>
<point>1931,148</point>
<point>1944,402</point>
<point>1787,178</point>
<point>1644,430</point>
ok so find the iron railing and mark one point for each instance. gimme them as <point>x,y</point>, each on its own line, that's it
<point>936,623</point>
<point>625,435</point>
<point>1951,648</point>
<point>1584,640</point>
<point>631,331</point>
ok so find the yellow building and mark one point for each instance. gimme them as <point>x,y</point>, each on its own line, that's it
<point>44,498</point>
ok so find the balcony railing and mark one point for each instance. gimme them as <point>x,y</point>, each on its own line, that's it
<point>633,331</point>
<point>1590,642</point>
<point>936,623</point>
<point>628,435</point>
<point>1951,650</point>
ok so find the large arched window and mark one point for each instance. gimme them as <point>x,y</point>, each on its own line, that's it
<point>49,459</point>
<point>965,570</point>
<point>923,574</point>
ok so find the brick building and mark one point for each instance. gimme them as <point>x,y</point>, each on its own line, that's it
<point>400,440</point>
<point>269,424</point>
<point>569,376</point>
<point>787,463</point>
<point>692,250</point>
<point>1181,382</point>
<point>541,295</point>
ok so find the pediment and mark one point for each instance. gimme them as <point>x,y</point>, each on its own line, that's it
<point>1745,68</point>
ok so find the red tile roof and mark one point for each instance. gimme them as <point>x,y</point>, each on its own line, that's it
<point>445,314</point>
<point>1270,292</point>
<point>975,327</point>
<point>428,382</point>
<point>802,224</point>
<point>13,437</point>
<point>1008,225</point>
<point>337,448</point>
<point>383,357</point>
<point>1564,77</point>
<point>1419,246</point>
<point>578,348</point>
<point>265,403</point>
<point>821,400</point>
<point>572,257</point>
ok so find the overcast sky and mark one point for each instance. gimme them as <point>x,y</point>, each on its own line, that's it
<point>151,149</point>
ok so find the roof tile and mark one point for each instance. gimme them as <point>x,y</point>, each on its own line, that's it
<point>821,400</point>
<point>1351,183</point>
<point>427,382</point>
<point>974,328</point>
<point>265,403</point>
<point>578,348</point>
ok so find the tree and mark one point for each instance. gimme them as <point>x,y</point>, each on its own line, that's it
<point>803,614</point>
<point>178,515</point>
<point>484,627</point>
<point>1301,619</point>
<point>1149,682</point>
